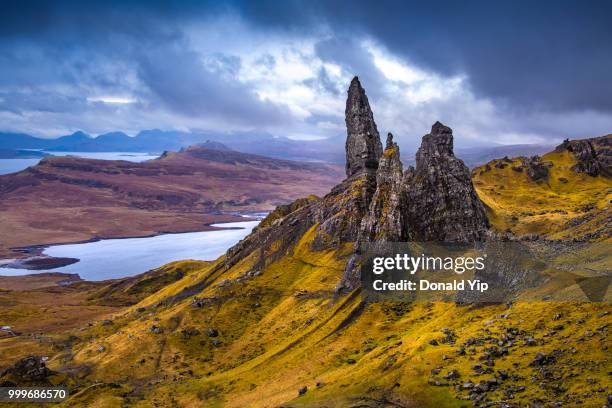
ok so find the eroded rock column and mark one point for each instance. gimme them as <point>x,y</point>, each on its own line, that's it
<point>363,146</point>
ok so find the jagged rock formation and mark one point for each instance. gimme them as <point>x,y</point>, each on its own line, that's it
<point>342,210</point>
<point>594,155</point>
<point>434,202</point>
<point>442,202</point>
<point>363,146</point>
<point>377,202</point>
<point>385,220</point>
<point>338,215</point>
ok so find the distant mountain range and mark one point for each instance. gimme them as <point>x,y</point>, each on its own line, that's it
<point>158,141</point>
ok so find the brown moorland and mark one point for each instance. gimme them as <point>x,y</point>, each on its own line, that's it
<point>68,199</point>
<point>43,311</point>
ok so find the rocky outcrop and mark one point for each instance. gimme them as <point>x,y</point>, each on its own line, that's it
<point>337,218</point>
<point>434,202</point>
<point>338,215</point>
<point>537,170</point>
<point>363,146</point>
<point>377,202</point>
<point>30,371</point>
<point>594,155</point>
<point>385,220</point>
<point>282,211</point>
<point>442,202</point>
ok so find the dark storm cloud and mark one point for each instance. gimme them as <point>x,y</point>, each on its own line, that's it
<point>95,44</point>
<point>528,57</point>
<point>322,82</point>
<point>545,54</point>
<point>182,81</point>
<point>353,58</point>
<point>549,53</point>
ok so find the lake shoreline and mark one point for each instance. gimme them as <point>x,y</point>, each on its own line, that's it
<point>36,250</point>
<point>37,260</point>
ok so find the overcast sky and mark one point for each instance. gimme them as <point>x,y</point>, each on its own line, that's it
<point>495,71</point>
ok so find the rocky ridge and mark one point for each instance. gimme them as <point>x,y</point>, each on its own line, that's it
<point>594,155</point>
<point>563,194</point>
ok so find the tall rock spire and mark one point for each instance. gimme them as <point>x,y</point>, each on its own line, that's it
<point>442,202</point>
<point>363,146</point>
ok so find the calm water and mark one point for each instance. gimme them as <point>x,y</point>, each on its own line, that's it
<point>13,165</point>
<point>118,258</point>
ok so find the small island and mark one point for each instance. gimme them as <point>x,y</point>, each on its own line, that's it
<point>38,263</point>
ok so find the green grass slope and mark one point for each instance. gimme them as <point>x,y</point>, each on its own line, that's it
<point>256,337</point>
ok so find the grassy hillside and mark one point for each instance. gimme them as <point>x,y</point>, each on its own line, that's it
<point>257,339</point>
<point>566,205</point>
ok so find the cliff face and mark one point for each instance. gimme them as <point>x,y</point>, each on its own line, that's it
<point>434,202</point>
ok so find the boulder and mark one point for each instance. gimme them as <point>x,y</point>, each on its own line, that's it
<point>536,169</point>
<point>211,332</point>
